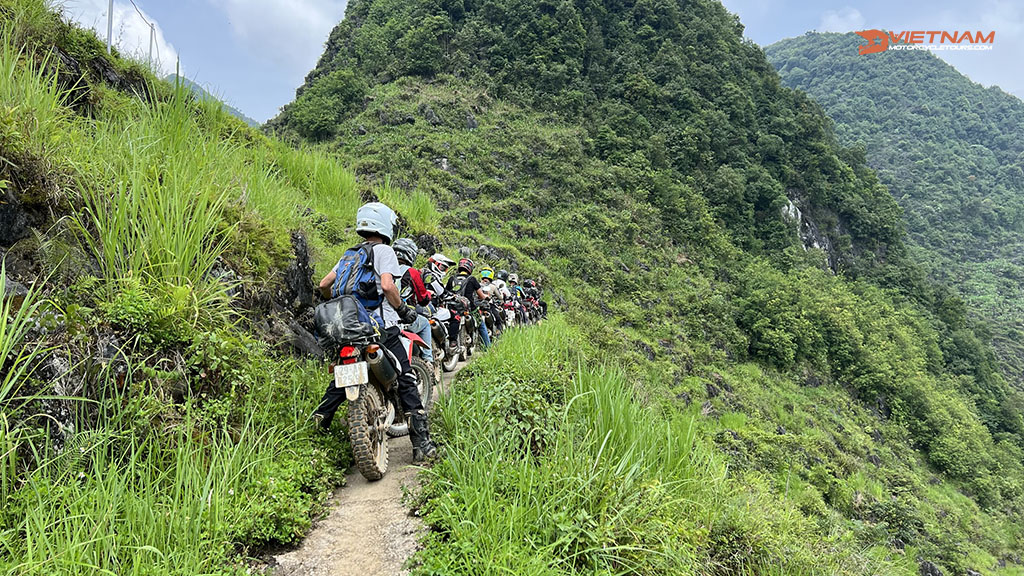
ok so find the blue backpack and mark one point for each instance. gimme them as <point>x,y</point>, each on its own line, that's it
<point>356,277</point>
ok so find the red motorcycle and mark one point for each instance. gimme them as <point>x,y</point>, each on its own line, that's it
<point>368,372</point>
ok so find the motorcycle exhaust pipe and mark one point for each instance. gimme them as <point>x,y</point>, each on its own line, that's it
<point>381,367</point>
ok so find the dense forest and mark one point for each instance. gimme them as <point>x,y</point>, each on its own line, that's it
<point>952,154</point>
<point>747,369</point>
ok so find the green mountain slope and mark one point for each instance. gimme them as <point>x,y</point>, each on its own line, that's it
<point>645,162</point>
<point>950,151</point>
<point>743,373</point>
<point>204,94</point>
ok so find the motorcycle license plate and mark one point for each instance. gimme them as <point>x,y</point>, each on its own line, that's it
<point>346,375</point>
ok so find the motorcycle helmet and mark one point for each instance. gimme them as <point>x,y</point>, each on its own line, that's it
<point>441,261</point>
<point>467,265</point>
<point>406,250</point>
<point>513,279</point>
<point>376,218</point>
<point>530,284</point>
<point>487,273</point>
<point>502,275</point>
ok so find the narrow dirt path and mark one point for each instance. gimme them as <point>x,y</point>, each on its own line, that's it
<point>369,532</point>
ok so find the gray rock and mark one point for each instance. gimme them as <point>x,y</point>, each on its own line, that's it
<point>431,117</point>
<point>15,292</point>
<point>303,341</point>
<point>298,277</point>
<point>14,221</point>
<point>471,123</point>
<point>927,568</point>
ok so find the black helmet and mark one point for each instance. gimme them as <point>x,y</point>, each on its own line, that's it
<point>467,265</point>
<point>406,250</point>
<point>502,275</point>
<point>530,284</point>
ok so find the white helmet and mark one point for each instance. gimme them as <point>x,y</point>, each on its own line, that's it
<point>376,218</point>
<point>443,260</point>
<point>513,279</point>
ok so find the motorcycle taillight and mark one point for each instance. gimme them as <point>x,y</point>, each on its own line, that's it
<point>349,354</point>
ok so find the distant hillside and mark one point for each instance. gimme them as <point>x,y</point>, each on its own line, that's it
<point>203,93</point>
<point>952,154</point>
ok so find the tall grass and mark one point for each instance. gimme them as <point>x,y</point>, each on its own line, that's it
<point>328,187</point>
<point>155,201</point>
<point>127,498</point>
<point>553,466</point>
<point>415,206</point>
<point>31,105</point>
<point>17,359</point>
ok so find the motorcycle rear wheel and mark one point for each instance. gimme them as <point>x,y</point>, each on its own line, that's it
<point>366,426</point>
<point>451,360</point>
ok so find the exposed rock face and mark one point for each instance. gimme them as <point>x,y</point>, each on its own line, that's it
<point>14,220</point>
<point>929,569</point>
<point>298,277</point>
<point>810,234</point>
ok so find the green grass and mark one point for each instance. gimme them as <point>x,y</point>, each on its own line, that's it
<point>554,466</point>
<point>155,489</point>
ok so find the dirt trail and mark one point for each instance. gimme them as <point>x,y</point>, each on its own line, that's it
<point>369,532</point>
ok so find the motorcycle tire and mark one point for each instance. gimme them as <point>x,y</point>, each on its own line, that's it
<point>451,360</point>
<point>366,418</point>
<point>468,344</point>
<point>425,380</point>
<point>397,426</point>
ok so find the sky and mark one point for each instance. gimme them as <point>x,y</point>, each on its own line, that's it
<point>253,54</point>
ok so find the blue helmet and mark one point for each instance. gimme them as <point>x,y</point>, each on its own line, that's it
<point>376,218</point>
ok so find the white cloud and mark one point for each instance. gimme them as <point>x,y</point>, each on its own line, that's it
<point>131,34</point>
<point>289,34</point>
<point>846,19</point>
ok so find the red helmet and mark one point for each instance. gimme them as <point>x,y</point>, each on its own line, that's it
<point>467,265</point>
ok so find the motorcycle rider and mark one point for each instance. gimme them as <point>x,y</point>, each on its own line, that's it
<point>533,291</point>
<point>375,222</point>
<point>494,296</point>
<point>518,295</point>
<point>415,294</point>
<point>433,275</point>
<point>465,284</point>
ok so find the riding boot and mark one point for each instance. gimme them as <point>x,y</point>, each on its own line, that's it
<point>422,447</point>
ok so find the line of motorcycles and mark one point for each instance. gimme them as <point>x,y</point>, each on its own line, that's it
<point>368,373</point>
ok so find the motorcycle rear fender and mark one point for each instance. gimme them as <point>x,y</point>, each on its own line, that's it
<point>352,393</point>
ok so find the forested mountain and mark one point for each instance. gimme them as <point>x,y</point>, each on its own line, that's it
<point>204,94</point>
<point>952,154</point>
<point>646,162</point>
<point>745,370</point>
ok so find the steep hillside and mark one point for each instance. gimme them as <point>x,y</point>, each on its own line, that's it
<point>707,235</point>
<point>950,151</point>
<point>204,94</point>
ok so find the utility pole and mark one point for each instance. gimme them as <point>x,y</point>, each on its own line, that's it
<point>110,24</point>
<point>152,34</point>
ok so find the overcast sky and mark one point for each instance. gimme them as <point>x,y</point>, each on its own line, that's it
<point>255,53</point>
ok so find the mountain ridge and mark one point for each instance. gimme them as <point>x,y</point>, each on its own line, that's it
<point>950,152</point>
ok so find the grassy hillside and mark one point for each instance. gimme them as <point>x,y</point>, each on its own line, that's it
<point>710,238</point>
<point>712,396</point>
<point>950,152</point>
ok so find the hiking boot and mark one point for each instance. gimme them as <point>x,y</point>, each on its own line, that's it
<point>419,433</point>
